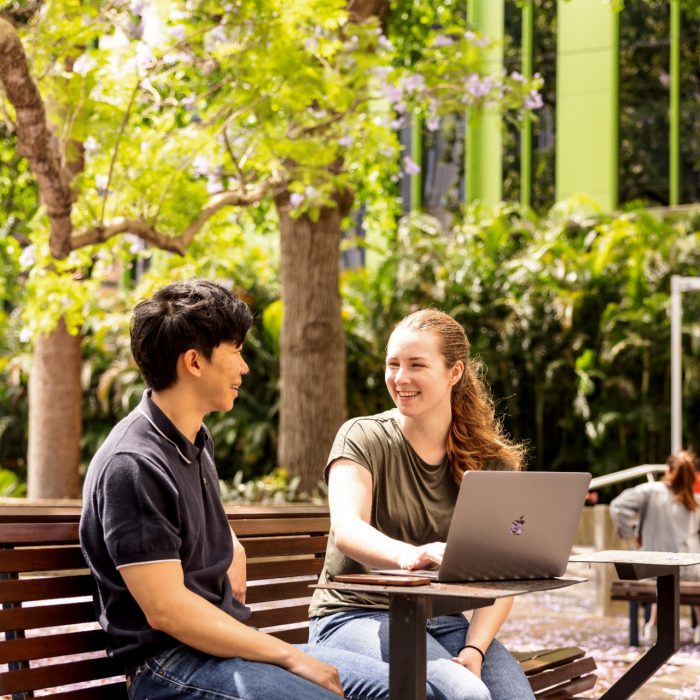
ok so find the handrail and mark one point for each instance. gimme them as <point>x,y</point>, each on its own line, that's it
<point>647,470</point>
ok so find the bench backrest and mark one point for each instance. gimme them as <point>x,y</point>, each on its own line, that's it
<point>51,636</point>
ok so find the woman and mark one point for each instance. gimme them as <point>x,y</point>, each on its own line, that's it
<point>393,480</point>
<point>663,516</point>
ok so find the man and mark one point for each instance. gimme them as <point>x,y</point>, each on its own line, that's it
<point>169,571</point>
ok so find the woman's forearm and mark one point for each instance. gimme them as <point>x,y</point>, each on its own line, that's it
<point>486,622</point>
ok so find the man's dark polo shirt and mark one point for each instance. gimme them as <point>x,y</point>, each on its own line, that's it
<point>150,495</point>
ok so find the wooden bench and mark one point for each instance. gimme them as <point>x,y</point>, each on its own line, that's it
<point>52,640</point>
<point>644,592</point>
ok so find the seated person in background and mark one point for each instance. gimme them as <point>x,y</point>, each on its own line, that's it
<point>393,480</point>
<point>663,516</point>
<point>169,570</point>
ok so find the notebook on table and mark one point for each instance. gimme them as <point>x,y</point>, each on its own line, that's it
<point>509,526</point>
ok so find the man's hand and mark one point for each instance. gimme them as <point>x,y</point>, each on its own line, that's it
<point>237,570</point>
<point>317,672</point>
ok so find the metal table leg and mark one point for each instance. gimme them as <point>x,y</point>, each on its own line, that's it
<point>667,640</point>
<point>407,647</point>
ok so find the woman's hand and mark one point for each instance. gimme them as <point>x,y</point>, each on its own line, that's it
<point>471,659</point>
<point>427,556</point>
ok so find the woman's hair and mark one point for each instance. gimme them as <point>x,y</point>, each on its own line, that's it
<point>476,439</point>
<point>682,468</point>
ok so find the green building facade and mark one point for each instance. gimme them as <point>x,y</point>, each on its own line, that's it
<point>621,105</point>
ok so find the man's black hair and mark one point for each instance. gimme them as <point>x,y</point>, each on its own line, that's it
<point>195,314</point>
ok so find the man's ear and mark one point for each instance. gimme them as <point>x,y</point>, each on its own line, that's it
<point>190,361</point>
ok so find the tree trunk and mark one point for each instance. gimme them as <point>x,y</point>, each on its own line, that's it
<point>55,416</point>
<point>312,341</point>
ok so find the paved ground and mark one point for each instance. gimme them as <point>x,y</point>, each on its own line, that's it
<point>566,618</point>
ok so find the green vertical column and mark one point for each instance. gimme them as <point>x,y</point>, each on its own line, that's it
<point>417,157</point>
<point>674,111</point>
<point>587,101</point>
<point>526,128</point>
<point>484,149</point>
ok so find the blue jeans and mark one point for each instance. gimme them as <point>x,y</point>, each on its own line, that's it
<point>367,632</point>
<point>183,672</point>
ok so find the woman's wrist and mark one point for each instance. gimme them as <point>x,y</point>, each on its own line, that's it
<point>475,648</point>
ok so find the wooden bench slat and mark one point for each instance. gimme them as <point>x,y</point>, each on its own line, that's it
<point>645,591</point>
<point>56,675</point>
<point>110,691</point>
<point>41,559</point>
<point>268,617</point>
<point>543,659</point>
<point>564,673</point>
<point>275,569</point>
<point>48,646</point>
<point>46,588</point>
<point>568,690</point>
<point>283,526</point>
<point>46,616</point>
<point>267,547</point>
<point>18,534</point>
<point>279,589</point>
<point>296,635</point>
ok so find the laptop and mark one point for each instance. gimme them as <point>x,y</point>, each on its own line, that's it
<point>510,525</point>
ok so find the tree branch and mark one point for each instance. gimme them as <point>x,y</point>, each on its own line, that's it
<point>178,243</point>
<point>35,141</point>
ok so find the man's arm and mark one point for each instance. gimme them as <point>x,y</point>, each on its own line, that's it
<point>169,606</point>
<point>237,570</point>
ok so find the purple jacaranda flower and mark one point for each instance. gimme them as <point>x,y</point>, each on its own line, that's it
<point>346,141</point>
<point>432,123</point>
<point>27,257</point>
<point>533,100</point>
<point>384,43</point>
<point>410,167</point>
<point>392,93</point>
<point>214,184</point>
<point>83,64</point>
<point>518,77</point>
<point>413,83</point>
<point>217,35</point>
<point>137,6</point>
<point>177,32</point>
<point>101,184</point>
<point>442,40</point>
<point>188,101</point>
<point>381,72</point>
<point>144,56</point>
<point>397,124</point>
<point>296,199</point>
<point>477,86</point>
<point>200,165</point>
<point>136,245</point>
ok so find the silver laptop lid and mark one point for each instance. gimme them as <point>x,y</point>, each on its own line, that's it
<point>513,525</point>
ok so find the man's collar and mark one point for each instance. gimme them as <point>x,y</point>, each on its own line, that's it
<point>167,429</point>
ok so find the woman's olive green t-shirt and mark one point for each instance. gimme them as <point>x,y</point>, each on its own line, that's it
<point>412,501</point>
